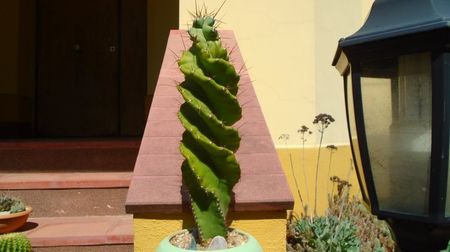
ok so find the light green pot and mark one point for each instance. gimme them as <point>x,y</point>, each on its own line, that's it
<point>251,245</point>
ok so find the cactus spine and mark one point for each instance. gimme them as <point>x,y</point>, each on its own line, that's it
<point>210,169</point>
<point>14,242</point>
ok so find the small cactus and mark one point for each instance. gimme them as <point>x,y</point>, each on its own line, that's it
<point>210,169</point>
<point>10,204</point>
<point>14,242</point>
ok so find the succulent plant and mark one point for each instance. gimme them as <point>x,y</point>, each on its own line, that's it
<point>11,204</point>
<point>14,242</point>
<point>210,169</point>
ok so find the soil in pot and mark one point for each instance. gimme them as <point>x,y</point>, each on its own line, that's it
<point>186,239</point>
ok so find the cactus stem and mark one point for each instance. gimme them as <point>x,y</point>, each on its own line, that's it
<point>210,169</point>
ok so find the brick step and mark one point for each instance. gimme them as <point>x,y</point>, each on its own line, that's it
<point>64,180</point>
<point>77,155</point>
<point>79,231</point>
<point>73,202</point>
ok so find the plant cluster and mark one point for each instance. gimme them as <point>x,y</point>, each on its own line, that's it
<point>347,224</point>
<point>11,204</point>
<point>324,233</point>
<point>14,242</point>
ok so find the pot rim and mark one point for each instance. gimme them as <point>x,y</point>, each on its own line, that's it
<point>27,211</point>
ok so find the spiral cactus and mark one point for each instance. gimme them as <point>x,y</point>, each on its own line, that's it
<point>14,242</point>
<point>210,169</point>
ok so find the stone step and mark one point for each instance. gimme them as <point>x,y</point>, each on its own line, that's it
<point>64,180</point>
<point>79,231</point>
<point>75,155</point>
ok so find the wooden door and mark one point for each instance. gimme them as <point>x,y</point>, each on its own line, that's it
<point>77,91</point>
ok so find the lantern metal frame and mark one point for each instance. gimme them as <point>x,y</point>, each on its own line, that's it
<point>440,127</point>
<point>374,43</point>
<point>392,29</point>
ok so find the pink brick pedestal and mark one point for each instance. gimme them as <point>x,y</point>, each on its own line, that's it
<point>156,184</point>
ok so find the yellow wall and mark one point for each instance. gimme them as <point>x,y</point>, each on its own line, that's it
<point>288,46</point>
<point>269,228</point>
<point>305,174</point>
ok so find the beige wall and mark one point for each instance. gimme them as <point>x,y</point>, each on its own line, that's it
<point>289,46</point>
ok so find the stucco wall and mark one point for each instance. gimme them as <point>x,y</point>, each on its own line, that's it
<point>288,47</point>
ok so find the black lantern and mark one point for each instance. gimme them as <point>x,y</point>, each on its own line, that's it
<point>396,71</point>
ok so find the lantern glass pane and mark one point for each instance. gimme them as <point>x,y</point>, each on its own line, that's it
<point>354,135</point>
<point>396,95</point>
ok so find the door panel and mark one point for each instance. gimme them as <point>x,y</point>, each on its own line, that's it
<point>77,68</point>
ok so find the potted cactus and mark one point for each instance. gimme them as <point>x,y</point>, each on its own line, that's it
<point>13,213</point>
<point>210,169</point>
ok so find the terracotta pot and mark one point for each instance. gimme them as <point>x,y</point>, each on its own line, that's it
<point>251,245</point>
<point>11,222</point>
